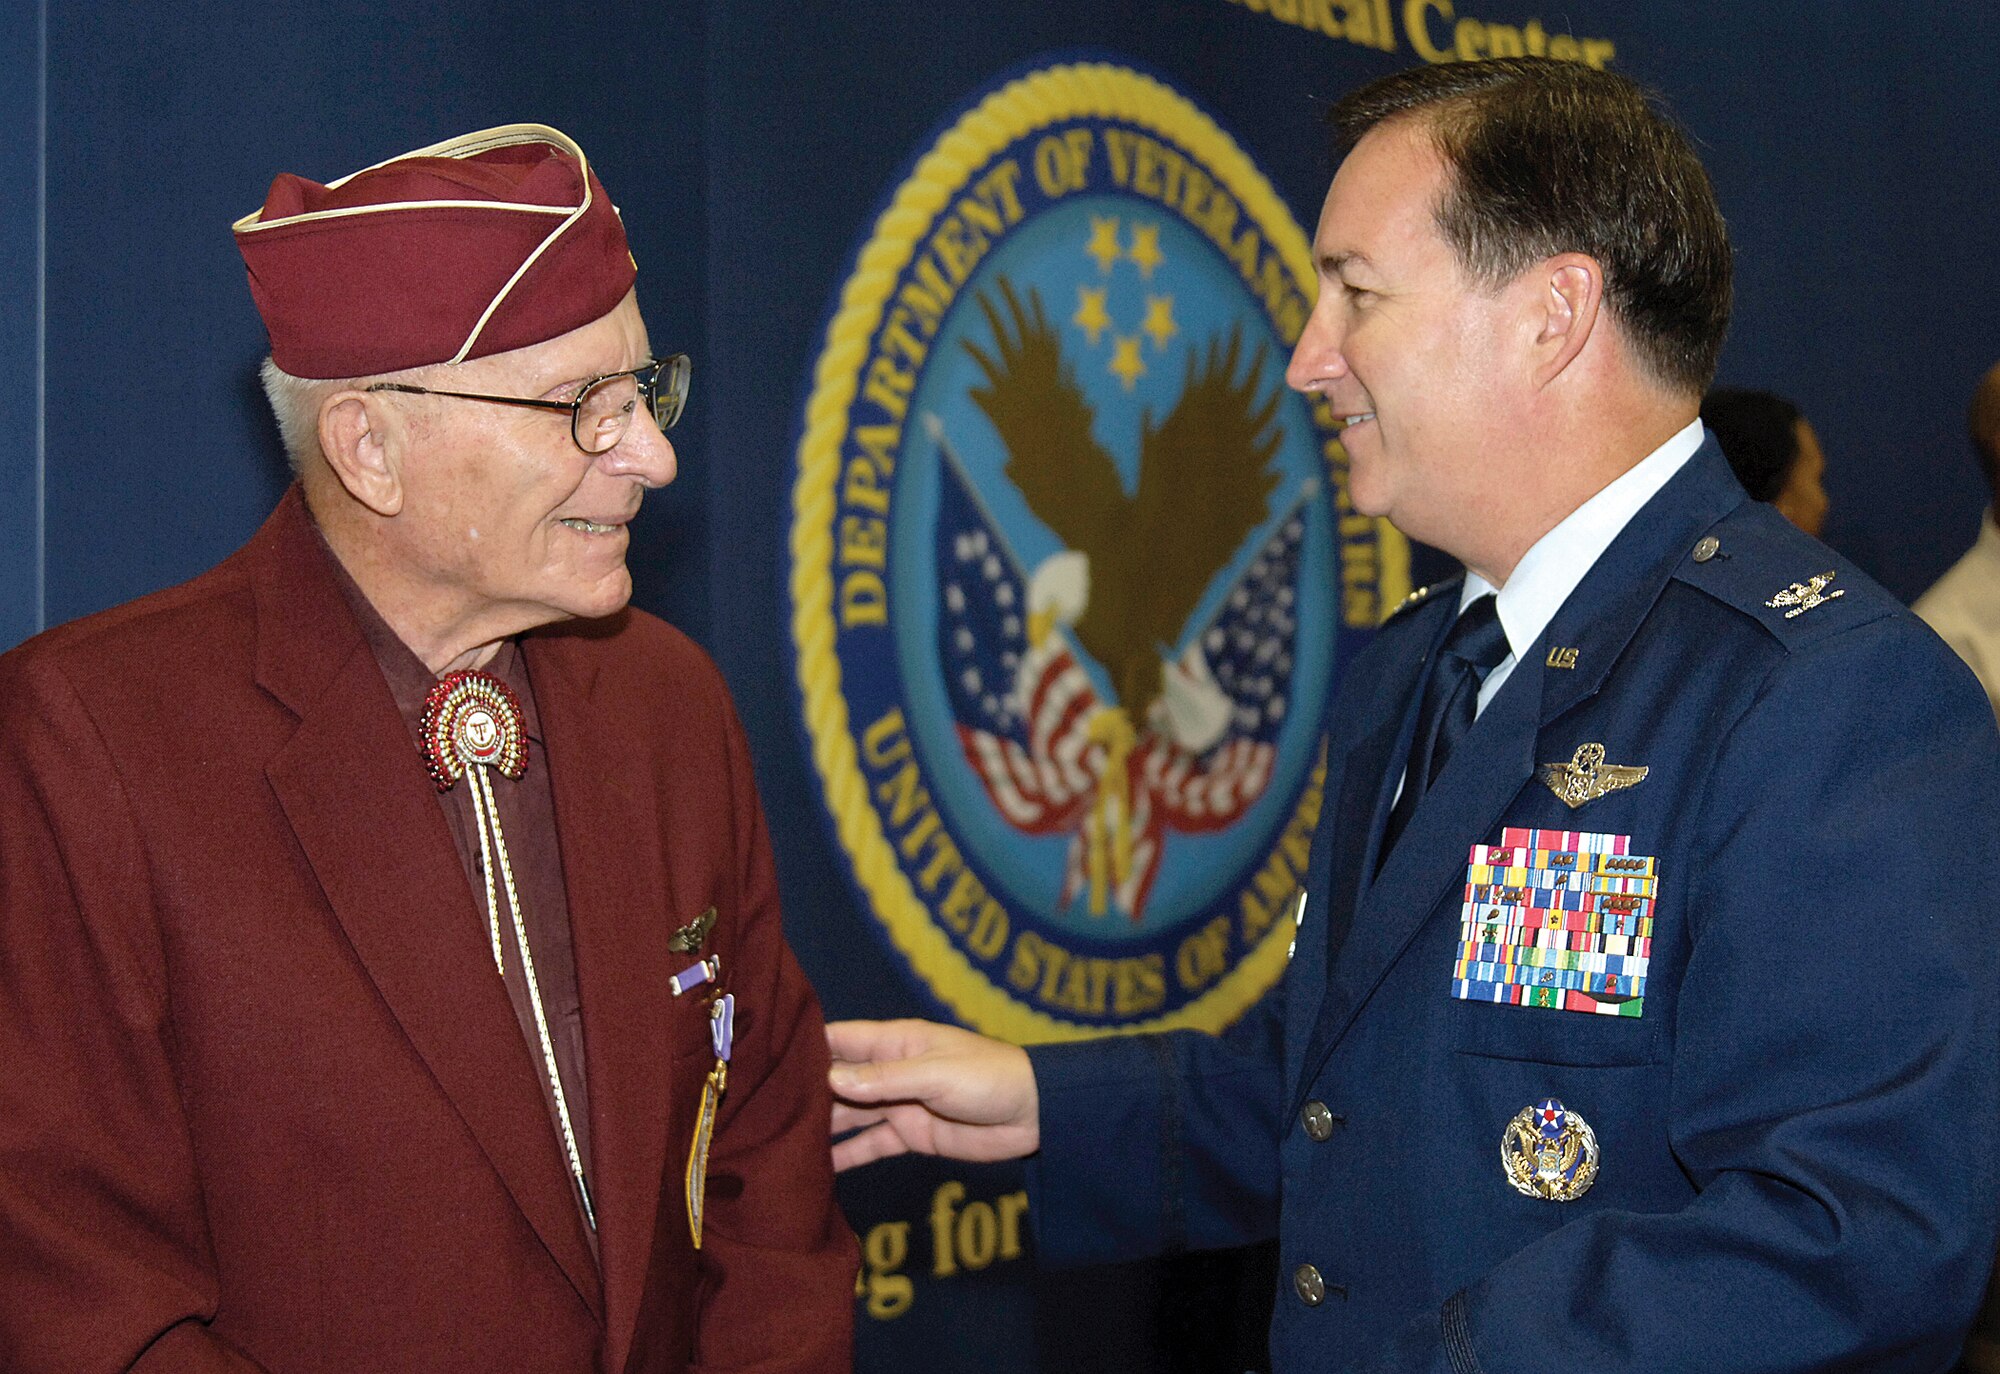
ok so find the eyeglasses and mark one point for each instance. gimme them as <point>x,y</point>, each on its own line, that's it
<point>603,407</point>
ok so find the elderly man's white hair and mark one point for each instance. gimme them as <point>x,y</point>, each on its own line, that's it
<point>295,401</point>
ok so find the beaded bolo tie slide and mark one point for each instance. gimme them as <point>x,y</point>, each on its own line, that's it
<point>472,726</point>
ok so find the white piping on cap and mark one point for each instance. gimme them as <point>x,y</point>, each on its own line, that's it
<point>466,145</point>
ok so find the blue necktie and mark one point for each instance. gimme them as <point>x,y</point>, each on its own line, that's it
<point>1474,648</point>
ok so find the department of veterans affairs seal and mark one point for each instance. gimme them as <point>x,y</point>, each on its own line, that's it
<point>1072,570</point>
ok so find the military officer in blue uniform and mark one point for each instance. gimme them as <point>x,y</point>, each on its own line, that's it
<point>1642,1013</point>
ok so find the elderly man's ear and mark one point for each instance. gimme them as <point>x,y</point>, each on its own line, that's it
<point>362,441</point>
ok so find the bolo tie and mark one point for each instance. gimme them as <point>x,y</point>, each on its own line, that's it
<point>472,726</point>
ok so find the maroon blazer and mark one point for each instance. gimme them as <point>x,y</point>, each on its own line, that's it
<point>263,1101</point>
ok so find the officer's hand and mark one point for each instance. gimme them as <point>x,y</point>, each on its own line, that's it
<point>937,1090</point>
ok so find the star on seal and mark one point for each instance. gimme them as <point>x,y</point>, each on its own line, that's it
<point>1586,777</point>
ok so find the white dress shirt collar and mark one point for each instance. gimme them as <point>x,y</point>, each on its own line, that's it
<point>1550,570</point>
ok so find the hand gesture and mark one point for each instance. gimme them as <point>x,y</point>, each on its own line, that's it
<point>935,1089</point>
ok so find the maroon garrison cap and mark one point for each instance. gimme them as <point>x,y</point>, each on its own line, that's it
<point>480,244</point>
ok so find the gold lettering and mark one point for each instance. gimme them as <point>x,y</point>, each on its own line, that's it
<point>879,443</point>
<point>888,1291</point>
<point>927,828</point>
<point>969,908</point>
<point>944,1202</point>
<point>1196,191</point>
<point>1012,1207</point>
<point>1119,144</point>
<point>1564,48</point>
<point>978,1235</point>
<point>864,539</point>
<point>904,794</point>
<point>1469,40</point>
<point>954,252</point>
<point>927,296</point>
<point>864,487</point>
<point>980,214</point>
<point>1082,985</point>
<point>1504,40</point>
<point>1141,985</point>
<point>876,741</point>
<point>945,858</point>
<point>897,338</point>
<point>864,600</point>
<point>1204,955</point>
<point>889,386</point>
<point>999,184</point>
<point>1062,164</point>
<point>969,1235</point>
<point>1416,25</point>
<point>1244,254</point>
<point>1274,286</point>
<point>1598,52</point>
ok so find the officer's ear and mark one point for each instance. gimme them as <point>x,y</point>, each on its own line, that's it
<point>1569,289</point>
<point>360,435</point>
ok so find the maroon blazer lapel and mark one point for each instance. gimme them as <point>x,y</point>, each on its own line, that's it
<point>608,828</point>
<point>361,806</point>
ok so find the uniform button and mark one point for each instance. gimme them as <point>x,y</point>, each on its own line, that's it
<point>1318,1121</point>
<point>1310,1287</point>
<point>1706,548</point>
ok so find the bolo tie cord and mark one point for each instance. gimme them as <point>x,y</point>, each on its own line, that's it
<point>486,816</point>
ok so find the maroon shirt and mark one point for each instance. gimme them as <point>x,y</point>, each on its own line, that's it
<point>528,820</point>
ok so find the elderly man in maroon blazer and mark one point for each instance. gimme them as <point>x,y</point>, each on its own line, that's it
<point>390,965</point>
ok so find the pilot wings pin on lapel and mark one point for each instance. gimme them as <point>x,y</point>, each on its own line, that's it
<point>1586,777</point>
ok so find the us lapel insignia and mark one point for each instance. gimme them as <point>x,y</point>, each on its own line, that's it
<point>1586,777</point>
<point>1804,596</point>
<point>1549,1152</point>
<point>689,937</point>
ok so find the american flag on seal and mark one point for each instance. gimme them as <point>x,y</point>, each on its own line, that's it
<point>1038,735</point>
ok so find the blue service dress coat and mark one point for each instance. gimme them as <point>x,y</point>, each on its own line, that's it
<point>1797,1163</point>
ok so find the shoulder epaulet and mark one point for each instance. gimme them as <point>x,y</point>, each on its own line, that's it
<point>1791,584</point>
<point>1421,595</point>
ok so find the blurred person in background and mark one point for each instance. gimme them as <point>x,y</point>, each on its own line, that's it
<point>1772,450</point>
<point>1964,604</point>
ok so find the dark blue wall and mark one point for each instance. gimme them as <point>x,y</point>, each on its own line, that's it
<point>750,144</point>
<point>21,123</point>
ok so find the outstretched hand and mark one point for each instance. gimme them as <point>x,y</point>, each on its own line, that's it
<point>904,1086</point>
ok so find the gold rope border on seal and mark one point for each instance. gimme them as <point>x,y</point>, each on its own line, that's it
<point>1082,90</point>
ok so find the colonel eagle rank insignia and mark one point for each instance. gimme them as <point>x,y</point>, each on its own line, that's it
<point>1805,596</point>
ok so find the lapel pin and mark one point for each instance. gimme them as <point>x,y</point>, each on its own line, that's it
<point>689,937</point>
<point>1586,777</point>
<point>1561,658</point>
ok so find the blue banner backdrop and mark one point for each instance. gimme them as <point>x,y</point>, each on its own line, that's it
<point>752,146</point>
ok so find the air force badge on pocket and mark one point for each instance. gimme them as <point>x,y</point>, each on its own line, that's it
<point>1561,919</point>
<point>1549,1152</point>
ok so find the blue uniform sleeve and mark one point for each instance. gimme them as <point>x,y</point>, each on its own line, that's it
<point>1153,1144</point>
<point>1834,1093</point>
